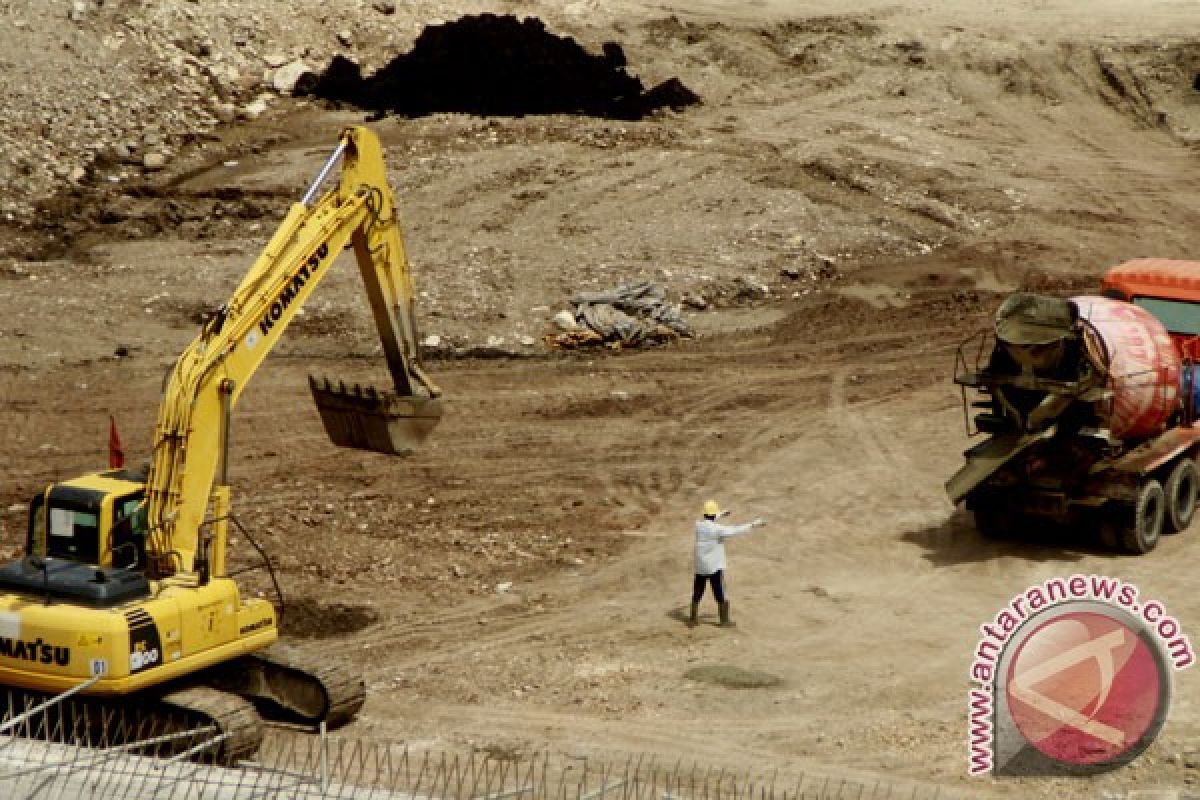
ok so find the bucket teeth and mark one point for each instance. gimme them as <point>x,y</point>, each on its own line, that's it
<point>365,418</point>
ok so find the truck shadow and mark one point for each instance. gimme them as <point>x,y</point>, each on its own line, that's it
<point>956,541</point>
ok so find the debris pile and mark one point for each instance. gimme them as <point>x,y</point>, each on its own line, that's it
<point>631,315</point>
<point>497,65</point>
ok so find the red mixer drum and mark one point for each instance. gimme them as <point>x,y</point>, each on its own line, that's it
<point>1143,366</point>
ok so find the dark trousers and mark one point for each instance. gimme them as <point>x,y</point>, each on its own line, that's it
<point>717,579</point>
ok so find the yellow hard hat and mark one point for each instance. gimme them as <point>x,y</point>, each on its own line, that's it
<point>711,509</point>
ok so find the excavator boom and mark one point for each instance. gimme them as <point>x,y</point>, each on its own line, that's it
<point>210,375</point>
<point>394,423</point>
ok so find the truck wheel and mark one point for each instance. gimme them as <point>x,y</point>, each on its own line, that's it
<point>1182,488</point>
<point>1141,533</point>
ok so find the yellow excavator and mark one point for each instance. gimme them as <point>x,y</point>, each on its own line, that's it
<point>122,596</point>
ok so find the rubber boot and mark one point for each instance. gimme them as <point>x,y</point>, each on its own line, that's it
<point>726,622</point>
<point>694,617</point>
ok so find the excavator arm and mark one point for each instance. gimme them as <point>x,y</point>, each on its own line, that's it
<point>190,456</point>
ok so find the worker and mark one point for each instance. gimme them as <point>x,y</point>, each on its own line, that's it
<point>710,559</point>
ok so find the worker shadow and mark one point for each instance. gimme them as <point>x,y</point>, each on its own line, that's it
<point>956,541</point>
<point>679,614</point>
<point>708,616</point>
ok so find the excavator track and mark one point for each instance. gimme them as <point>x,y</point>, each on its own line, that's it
<point>149,724</point>
<point>294,686</point>
<point>283,683</point>
<point>233,716</point>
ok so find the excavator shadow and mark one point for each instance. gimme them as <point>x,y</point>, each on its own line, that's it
<point>956,541</point>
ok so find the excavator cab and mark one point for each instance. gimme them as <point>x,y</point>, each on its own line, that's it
<point>97,519</point>
<point>86,542</point>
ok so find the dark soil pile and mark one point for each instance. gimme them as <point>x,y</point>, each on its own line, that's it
<point>495,65</point>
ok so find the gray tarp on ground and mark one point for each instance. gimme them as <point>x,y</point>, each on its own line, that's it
<point>631,313</point>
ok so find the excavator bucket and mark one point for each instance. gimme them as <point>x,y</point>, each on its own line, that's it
<point>366,418</point>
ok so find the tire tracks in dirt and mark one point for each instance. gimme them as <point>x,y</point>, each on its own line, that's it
<point>879,445</point>
<point>659,492</point>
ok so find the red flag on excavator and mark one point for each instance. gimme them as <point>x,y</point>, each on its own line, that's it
<point>116,455</point>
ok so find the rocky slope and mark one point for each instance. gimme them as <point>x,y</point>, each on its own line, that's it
<point>102,84</point>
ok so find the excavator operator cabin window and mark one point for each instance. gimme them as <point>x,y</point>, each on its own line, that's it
<point>73,523</point>
<point>72,534</point>
<point>129,531</point>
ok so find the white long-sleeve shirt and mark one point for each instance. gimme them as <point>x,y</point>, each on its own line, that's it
<point>710,543</point>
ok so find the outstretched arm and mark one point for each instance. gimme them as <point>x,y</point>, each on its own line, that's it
<point>737,530</point>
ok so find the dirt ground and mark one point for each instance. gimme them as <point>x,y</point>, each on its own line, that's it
<point>887,172</point>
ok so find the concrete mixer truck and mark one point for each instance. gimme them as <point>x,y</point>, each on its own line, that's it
<point>1089,405</point>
